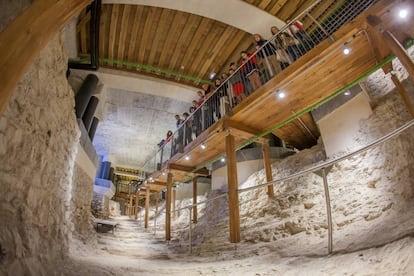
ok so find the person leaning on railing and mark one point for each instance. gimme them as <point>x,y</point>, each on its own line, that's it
<point>298,32</point>
<point>236,84</point>
<point>188,128</point>
<point>268,54</point>
<point>286,42</point>
<point>250,69</point>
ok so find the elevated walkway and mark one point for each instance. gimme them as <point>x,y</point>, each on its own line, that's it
<point>320,74</point>
<point>372,39</point>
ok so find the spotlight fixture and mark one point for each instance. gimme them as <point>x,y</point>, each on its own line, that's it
<point>203,146</point>
<point>403,13</point>
<point>187,157</point>
<point>223,160</point>
<point>281,95</point>
<point>346,50</point>
<point>347,93</point>
<point>212,75</point>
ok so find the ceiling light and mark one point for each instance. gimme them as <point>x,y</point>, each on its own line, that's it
<point>223,160</point>
<point>203,146</point>
<point>281,95</point>
<point>212,75</point>
<point>347,51</point>
<point>403,13</point>
<point>187,157</point>
<point>347,93</point>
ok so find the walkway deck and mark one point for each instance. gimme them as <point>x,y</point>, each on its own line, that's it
<point>320,74</point>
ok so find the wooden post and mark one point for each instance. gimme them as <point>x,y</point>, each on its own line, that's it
<point>195,199</point>
<point>147,203</point>
<point>27,35</point>
<point>174,194</point>
<point>396,47</point>
<point>136,205</point>
<point>234,216</point>
<point>130,205</point>
<point>268,169</point>
<point>403,93</point>
<point>168,208</point>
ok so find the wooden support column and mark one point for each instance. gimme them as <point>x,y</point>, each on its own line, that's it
<point>136,205</point>
<point>147,203</point>
<point>268,169</point>
<point>195,199</point>
<point>396,47</point>
<point>24,38</point>
<point>174,194</point>
<point>130,205</point>
<point>403,93</point>
<point>168,208</point>
<point>234,216</point>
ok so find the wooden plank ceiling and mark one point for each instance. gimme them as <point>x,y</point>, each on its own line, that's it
<point>172,44</point>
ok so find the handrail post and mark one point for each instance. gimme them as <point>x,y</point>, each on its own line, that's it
<point>189,233</point>
<point>155,223</point>
<point>328,210</point>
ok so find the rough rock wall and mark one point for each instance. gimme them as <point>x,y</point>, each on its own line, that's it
<point>98,205</point>
<point>38,139</point>
<point>82,218</point>
<point>372,194</point>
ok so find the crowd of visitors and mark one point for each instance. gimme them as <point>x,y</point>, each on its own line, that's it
<point>242,79</point>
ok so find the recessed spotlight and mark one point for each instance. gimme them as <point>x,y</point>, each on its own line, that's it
<point>347,51</point>
<point>403,13</point>
<point>281,95</point>
<point>212,75</point>
<point>347,93</point>
<point>223,160</point>
<point>187,157</point>
<point>203,146</point>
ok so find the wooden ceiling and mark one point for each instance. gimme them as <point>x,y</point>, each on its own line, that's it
<point>175,45</point>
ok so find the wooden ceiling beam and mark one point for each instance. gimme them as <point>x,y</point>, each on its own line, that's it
<point>216,51</point>
<point>123,29</point>
<point>182,45</point>
<point>134,39</point>
<point>104,30</point>
<point>202,172</point>
<point>145,34</point>
<point>196,42</point>
<point>206,50</point>
<point>277,6</point>
<point>112,32</point>
<point>178,167</point>
<point>176,27</point>
<point>160,35</point>
<point>288,9</point>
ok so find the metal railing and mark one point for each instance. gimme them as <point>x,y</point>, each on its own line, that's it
<point>271,57</point>
<point>321,167</point>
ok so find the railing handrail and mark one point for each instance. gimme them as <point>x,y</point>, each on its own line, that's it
<point>269,41</point>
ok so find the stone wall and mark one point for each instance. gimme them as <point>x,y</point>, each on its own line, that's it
<point>38,142</point>
<point>39,136</point>
<point>82,218</point>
